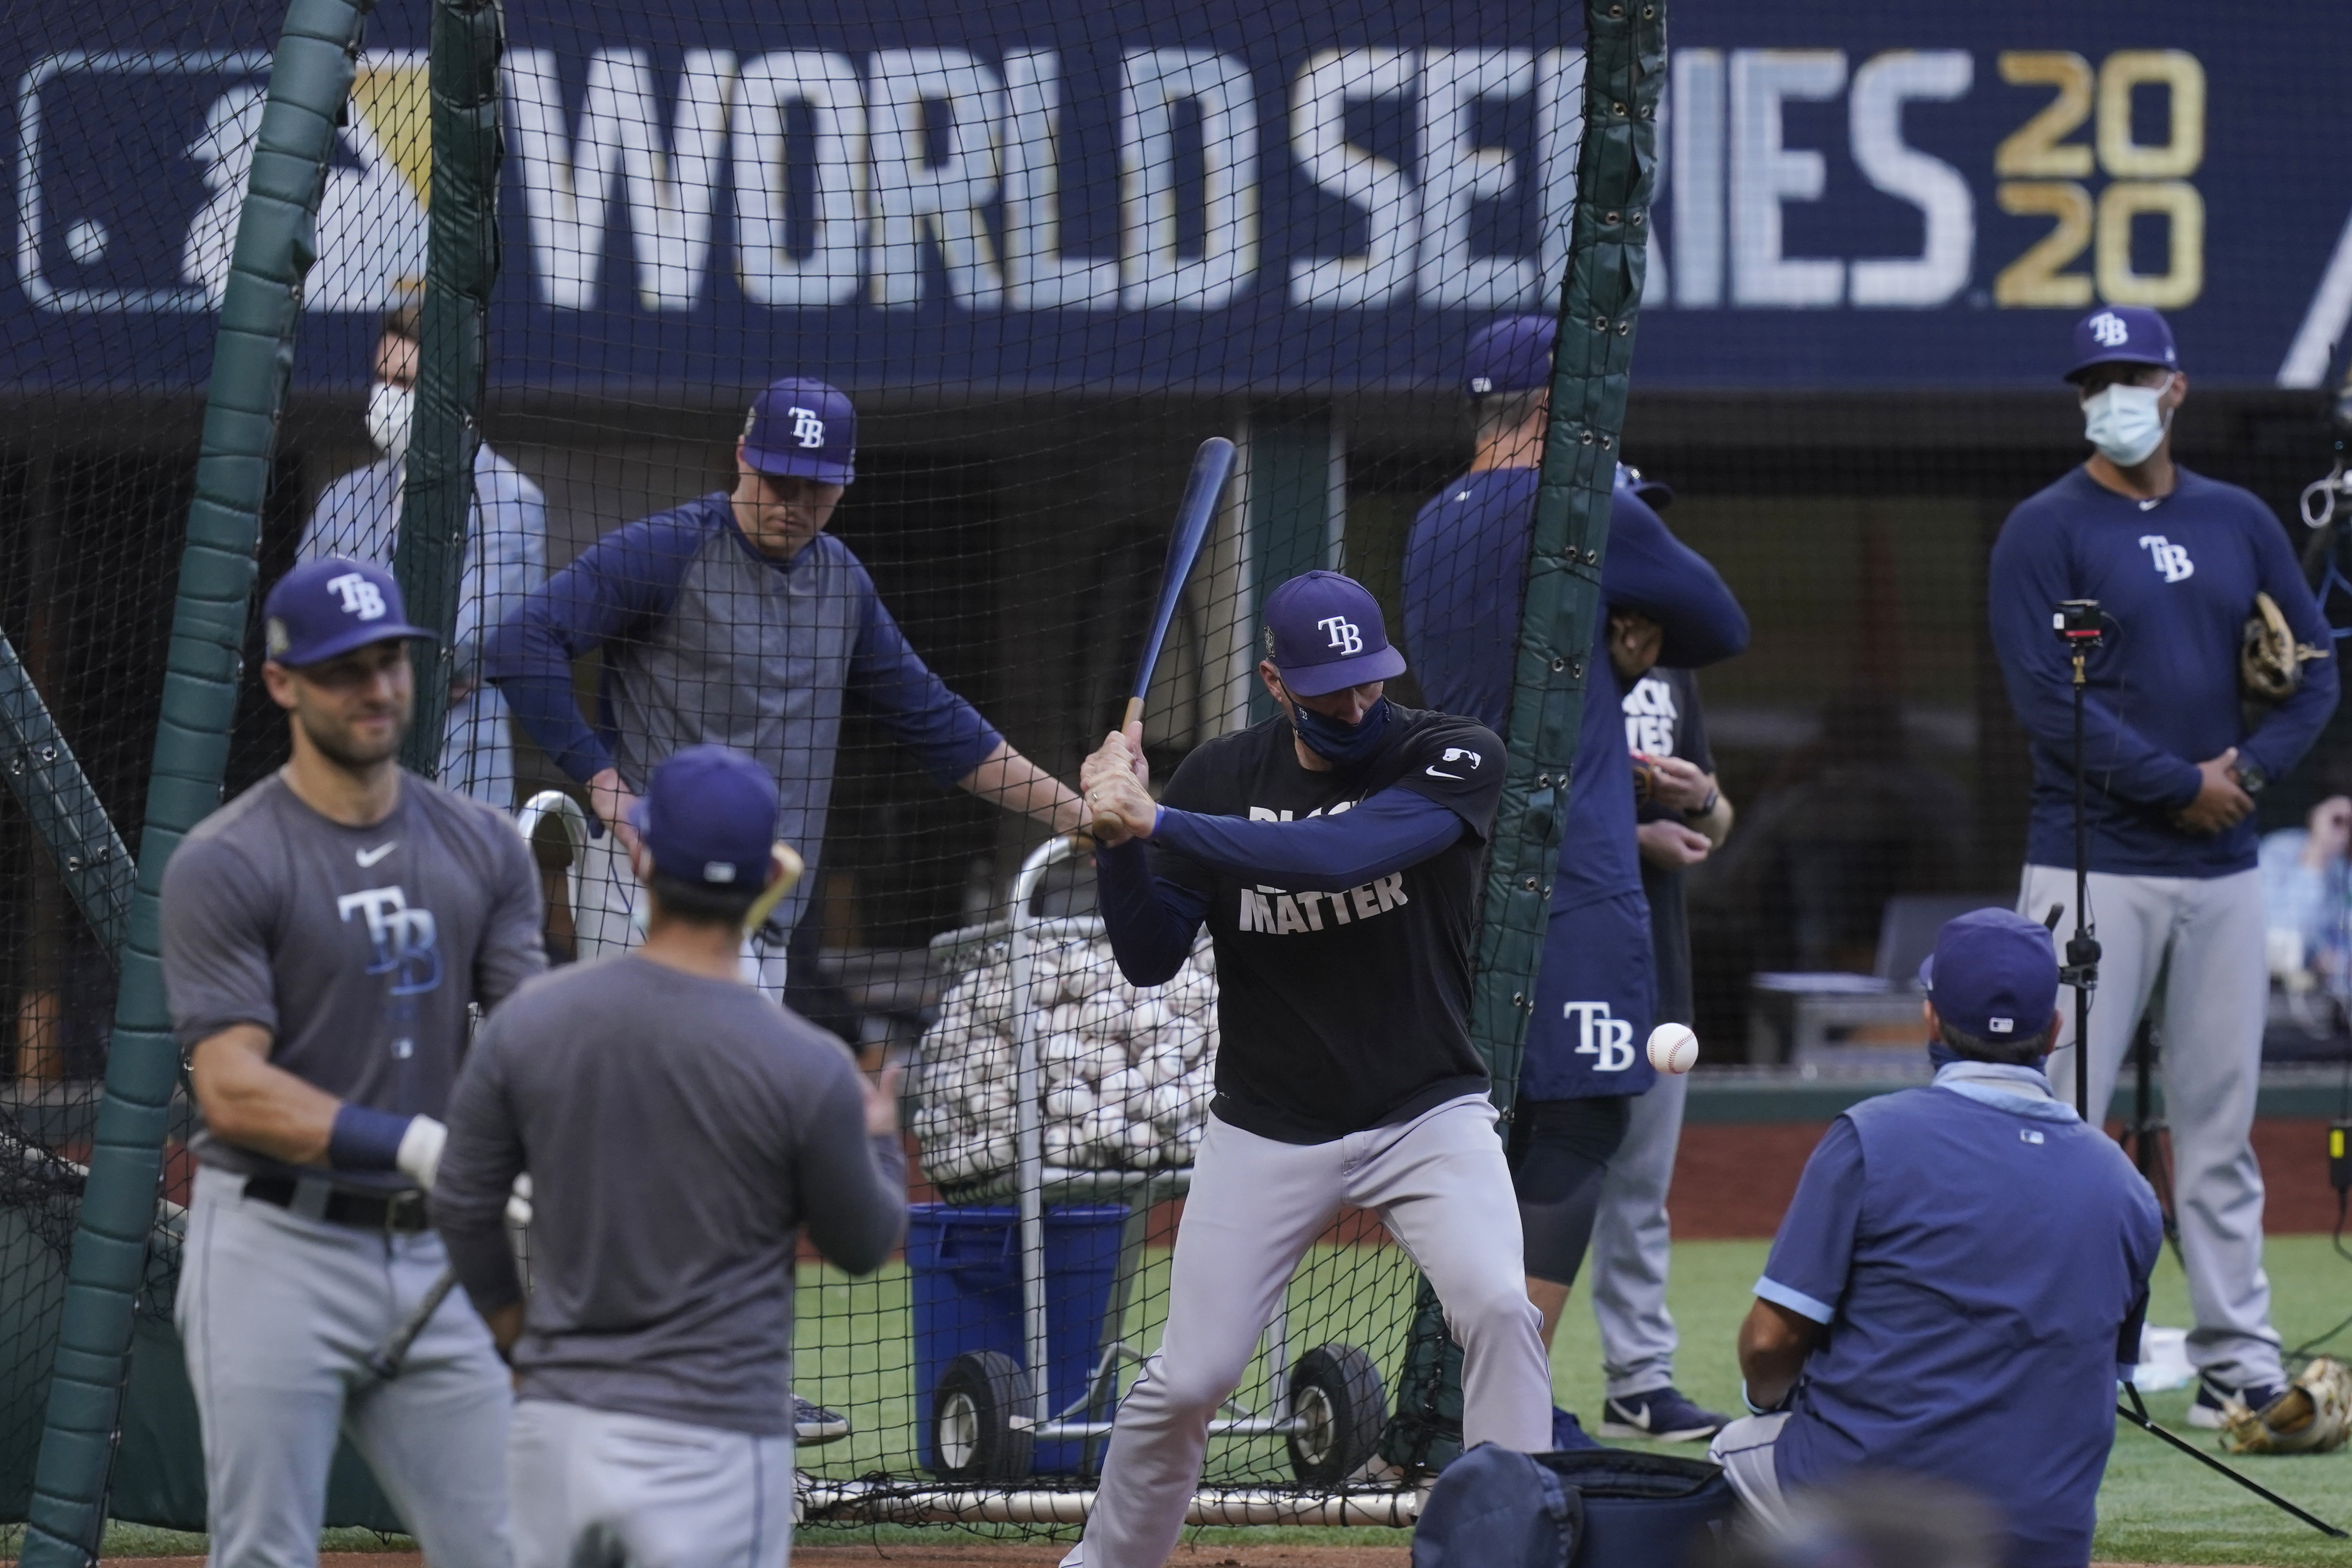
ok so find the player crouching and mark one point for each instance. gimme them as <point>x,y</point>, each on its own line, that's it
<point>1962,1263</point>
<point>1347,1075</point>
<point>680,1129</point>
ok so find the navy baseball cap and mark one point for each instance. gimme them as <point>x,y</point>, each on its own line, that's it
<point>2122,335</point>
<point>1324,633</point>
<point>1994,975</point>
<point>1628,479</point>
<point>1511,355</point>
<point>708,817</point>
<point>324,608</point>
<point>803,428</point>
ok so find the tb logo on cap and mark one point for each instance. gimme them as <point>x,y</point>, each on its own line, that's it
<point>2109,329</point>
<point>1345,635</point>
<point>360,596</point>
<point>807,428</point>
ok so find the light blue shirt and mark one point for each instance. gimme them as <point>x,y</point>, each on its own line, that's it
<point>2314,904</point>
<point>358,517</point>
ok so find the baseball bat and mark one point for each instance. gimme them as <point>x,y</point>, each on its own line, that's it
<point>1212,466</point>
<point>788,858</point>
<point>386,1360</point>
<point>393,1354</point>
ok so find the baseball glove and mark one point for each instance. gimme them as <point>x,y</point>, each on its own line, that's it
<point>2270,660</point>
<point>2311,1417</point>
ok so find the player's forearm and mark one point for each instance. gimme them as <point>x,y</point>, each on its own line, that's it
<point>1773,1345</point>
<point>481,1257</point>
<point>250,1103</point>
<point>1151,922</point>
<point>1394,829</point>
<point>524,658</point>
<point>1006,778</point>
<point>2288,730</point>
<point>856,1223</point>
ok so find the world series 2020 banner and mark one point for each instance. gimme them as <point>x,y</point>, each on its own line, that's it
<point>1225,195</point>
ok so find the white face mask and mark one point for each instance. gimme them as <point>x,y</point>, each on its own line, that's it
<point>391,415</point>
<point>2126,423</point>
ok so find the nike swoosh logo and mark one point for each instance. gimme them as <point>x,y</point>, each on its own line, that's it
<point>1434,773</point>
<point>369,857</point>
<point>2152,504</point>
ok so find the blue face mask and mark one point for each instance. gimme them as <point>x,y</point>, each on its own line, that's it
<point>1340,744</point>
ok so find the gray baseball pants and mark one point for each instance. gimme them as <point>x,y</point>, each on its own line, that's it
<point>601,1488</point>
<point>1745,1451</point>
<point>277,1314</point>
<point>2202,937</point>
<point>1633,1242</point>
<point>608,921</point>
<point>1441,1186</point>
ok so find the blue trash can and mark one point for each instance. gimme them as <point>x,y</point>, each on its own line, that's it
<point>965,1265</point>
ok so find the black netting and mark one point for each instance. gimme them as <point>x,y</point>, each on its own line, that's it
<point>1039,255</point>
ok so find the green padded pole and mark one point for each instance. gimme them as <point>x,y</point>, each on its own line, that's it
<point>66,817</point>
<point>461,265</point>
<point>1625,67</point>
<point>309,83</point>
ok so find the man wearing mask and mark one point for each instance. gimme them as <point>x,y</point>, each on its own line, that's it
<point>506,556</point>
<point>2175,754</point>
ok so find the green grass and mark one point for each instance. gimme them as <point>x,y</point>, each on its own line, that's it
<point>2157,1506</point>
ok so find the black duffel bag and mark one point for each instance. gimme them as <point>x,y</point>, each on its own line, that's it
<point>1590,1508</point>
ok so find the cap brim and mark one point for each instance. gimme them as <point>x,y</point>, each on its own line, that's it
<point>1657,495</point>
<point>363,637</point>
<point>799,466</point>
<point>1322,680</point>
<point>2095,361</point>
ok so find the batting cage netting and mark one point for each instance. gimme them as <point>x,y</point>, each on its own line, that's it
<point>828,386</point>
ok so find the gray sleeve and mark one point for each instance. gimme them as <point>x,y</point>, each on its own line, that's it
<point>216,970</point>
<point>512,949</point>
<point>478,1165</point>
<point>852,1188</point>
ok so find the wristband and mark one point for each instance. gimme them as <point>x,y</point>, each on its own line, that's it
<point>366,1139</point>
<point>1756,1409</point>
<point>1705,808</point>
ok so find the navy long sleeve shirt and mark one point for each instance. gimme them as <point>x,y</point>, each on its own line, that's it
<point>702,638</point>
<point>2176,577</point>
<point>1152,921</point>
<point>1464,583</point>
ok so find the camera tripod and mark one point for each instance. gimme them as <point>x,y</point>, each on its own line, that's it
<point>2082,626</point>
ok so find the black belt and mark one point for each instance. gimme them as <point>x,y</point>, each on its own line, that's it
<point>402,1213</point>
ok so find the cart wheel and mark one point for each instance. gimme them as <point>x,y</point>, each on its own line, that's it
<point>1338,1409</point>
<point>974,1407</point>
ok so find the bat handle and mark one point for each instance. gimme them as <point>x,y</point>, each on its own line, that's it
<point>1106,825</point>
<point>392,1355</point>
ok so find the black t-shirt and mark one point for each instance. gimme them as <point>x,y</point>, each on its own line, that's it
<point>1663,719</point>
<point>1347,1010</point>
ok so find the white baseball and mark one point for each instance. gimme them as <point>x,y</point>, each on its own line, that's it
<point>1673,1047</point>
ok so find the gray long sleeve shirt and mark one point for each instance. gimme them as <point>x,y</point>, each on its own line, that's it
<point>678,1131</point>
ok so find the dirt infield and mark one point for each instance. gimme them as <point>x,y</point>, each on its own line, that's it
<point>985,1554</point>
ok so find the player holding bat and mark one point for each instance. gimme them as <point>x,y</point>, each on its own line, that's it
<point>1333,852</point>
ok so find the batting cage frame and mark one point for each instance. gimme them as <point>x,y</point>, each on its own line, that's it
<point>124,1243</point>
